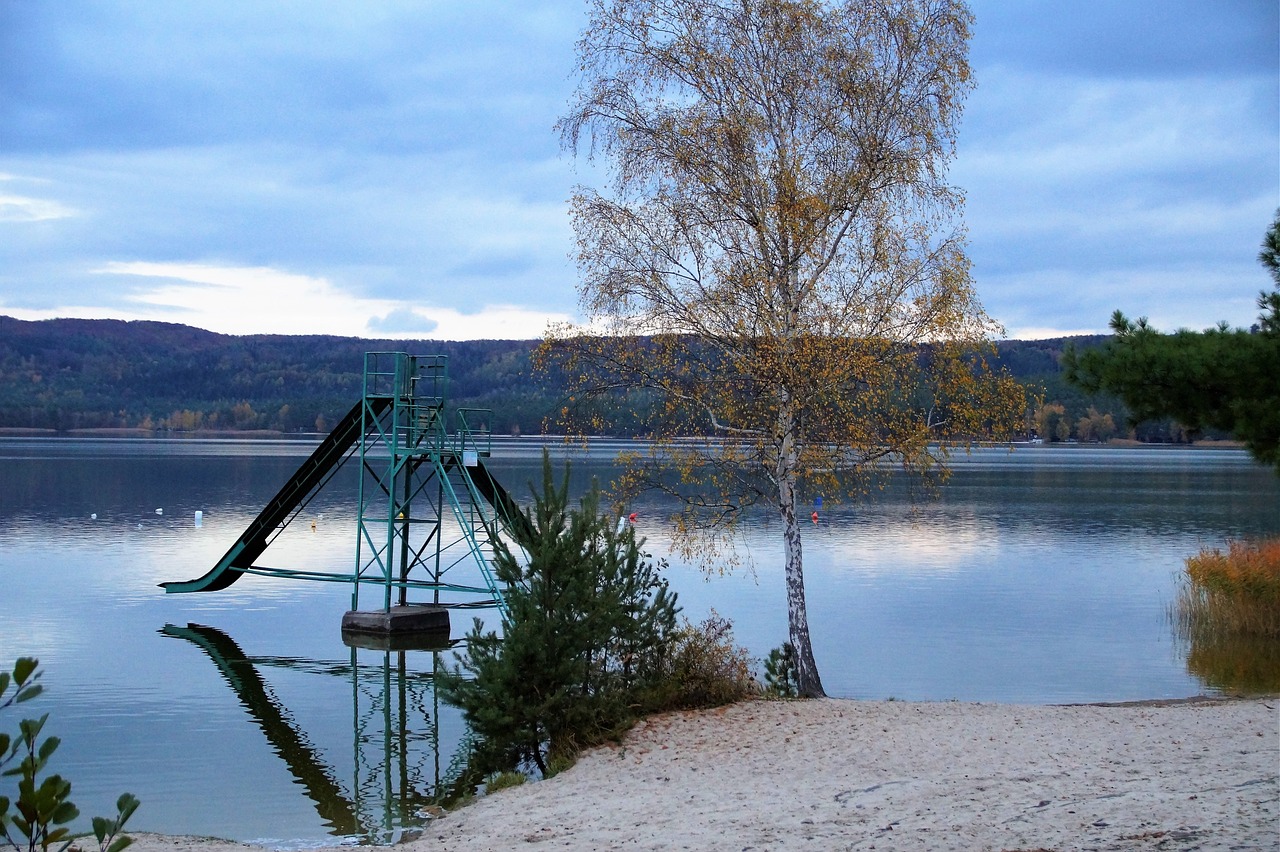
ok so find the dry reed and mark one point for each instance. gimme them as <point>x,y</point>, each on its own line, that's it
<point>1228,609</point>
<point>1236,593</point>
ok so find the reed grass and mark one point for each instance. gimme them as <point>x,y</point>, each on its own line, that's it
<point>1228,609</point>
<point>1232,593</point>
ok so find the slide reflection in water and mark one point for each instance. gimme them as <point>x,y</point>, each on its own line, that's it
<point>395,713</point>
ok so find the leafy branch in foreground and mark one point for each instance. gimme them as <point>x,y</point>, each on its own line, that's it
<point>40,815</point>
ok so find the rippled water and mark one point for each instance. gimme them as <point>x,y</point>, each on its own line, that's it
<point>1040,576</point>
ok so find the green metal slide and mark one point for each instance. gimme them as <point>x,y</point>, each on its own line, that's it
<point>326,458</point>
<point>492,492</point>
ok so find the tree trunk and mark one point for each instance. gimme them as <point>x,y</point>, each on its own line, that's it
<point>808,681</point>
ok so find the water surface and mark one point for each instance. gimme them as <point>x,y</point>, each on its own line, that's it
<point>1041,576</point>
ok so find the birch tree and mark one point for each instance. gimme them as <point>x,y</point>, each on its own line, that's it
<point>777,264</point>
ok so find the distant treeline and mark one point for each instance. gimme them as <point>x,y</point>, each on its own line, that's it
<point>71,374</point>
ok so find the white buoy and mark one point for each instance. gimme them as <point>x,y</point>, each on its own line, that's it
<point>159,511</point>
<point>199,518</point>
<point>139,526</point>
<point>94,516</point>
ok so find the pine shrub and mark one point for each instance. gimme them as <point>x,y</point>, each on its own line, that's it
<point>780,677</point>
<point>588,618</point>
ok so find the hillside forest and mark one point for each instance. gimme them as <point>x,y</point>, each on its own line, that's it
<point>73,376</point>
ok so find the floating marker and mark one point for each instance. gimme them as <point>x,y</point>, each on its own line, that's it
<point>199,518</point>
<point>94,516</point>
<point>159,511</point>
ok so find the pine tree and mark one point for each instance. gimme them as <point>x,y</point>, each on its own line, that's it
<point>589,616</point>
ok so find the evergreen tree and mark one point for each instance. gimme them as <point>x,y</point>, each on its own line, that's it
<point>588,619</point>
<point>1217,379</point>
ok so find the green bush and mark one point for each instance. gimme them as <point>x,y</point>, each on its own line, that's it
<point>588,619</point>
<point>503,781</point>
<point>703,668</point>
<point>43,807</point>
<point>780,677</point>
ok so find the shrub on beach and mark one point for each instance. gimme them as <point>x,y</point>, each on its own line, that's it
<point>589,643</point>
<point>702,667</point>
<point>589,617</point>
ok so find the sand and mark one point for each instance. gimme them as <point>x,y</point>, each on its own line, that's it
<point>836,774</point>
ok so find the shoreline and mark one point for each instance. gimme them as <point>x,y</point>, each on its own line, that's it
<point>844,774</point>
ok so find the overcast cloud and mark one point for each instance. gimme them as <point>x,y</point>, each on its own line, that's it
<point>389,168</point>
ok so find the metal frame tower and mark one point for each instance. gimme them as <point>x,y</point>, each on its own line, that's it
<point>427,505</point>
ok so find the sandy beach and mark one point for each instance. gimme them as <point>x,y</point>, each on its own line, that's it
<point>836,774</point>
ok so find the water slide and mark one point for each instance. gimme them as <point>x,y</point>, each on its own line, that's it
<point>326,458</point>
<point>313,473</point>
<point>492,492</point>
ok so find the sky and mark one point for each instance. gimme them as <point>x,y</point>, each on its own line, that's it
<point>389,169</point>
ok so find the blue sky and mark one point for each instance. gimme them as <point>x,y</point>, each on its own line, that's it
<point>389,169</point>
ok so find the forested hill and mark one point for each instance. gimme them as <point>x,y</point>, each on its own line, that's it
<point>74,374</point>
<point>71,374</point>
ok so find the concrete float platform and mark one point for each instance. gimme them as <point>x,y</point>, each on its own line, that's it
<point>398,620</point>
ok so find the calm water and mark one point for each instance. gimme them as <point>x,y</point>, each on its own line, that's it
<point>1039,577</point>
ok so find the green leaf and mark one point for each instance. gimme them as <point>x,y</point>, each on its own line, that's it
<point>23,668</point>
<point>64,813</point>
<point>31,728</point>
<point>48,747</point>
<point>29,693</point>
<point>120,843</point>
<point>126,805</point>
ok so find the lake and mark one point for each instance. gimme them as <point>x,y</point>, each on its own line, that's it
<point>1044,575</point>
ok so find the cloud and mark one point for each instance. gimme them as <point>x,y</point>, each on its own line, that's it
<point>1114,155</point>
<point>25,208</point>
<point>18,208</point>
<point>1082,302</point>
<point>1092,188</point>
<point>403,321</point>
<point>262,300</point>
